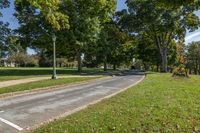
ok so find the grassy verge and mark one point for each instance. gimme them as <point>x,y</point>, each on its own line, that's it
<point>42,84</point>
<point>159,104</point>
<point>22,73</point>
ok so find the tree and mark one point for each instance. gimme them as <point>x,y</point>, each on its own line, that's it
<point>178,3</point>
<point>4,30</point>
<point>193,57</point>
<point>180,65</point>
<point>113,47</point>
<point>4,4</point>
<point>50,10</point>
<point>84,18</point>
<point>161,24</point>
<point>147,52</point>
<point>4,33</point>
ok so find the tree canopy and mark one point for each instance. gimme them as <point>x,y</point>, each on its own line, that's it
<point>160,23</point>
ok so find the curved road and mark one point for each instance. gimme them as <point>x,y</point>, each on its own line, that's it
<point>21,113</point>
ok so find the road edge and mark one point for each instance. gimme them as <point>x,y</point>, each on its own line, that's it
<point>49,89</point>
<point>82,107</point>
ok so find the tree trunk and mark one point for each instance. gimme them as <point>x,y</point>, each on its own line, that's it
<point>190,71</point>
<point>164,61</point>
<point>145,66</point>
<point>79,61</point>
<point>157,67</point>
<point>114,66</point>
<point>196,68</point>
<point>105,66</point>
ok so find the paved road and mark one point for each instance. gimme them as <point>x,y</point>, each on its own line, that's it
<point>24,112</point>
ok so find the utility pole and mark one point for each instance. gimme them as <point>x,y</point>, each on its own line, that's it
<point>54,56</point>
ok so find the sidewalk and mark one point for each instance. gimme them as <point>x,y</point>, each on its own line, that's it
<point>28,80</point>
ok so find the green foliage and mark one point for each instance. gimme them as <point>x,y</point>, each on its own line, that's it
<point>193,56</point>
<point>193,4</point>
<point>4,4</point>
<point>147,51</point>
<point>84,17</point>
<point>4,29</point>
<point>4,33</point>
<point>113,47</point>
<point>161,24</point>
<point>50,9</point>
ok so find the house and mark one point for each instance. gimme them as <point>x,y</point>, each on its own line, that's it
<point>5,63</point>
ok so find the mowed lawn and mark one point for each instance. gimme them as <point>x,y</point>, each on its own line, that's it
<point>43,84</point>
<point>21,73</point>
<point>158,104</point>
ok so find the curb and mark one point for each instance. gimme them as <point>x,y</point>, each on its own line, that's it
<point>49,89</point>
<point>82,107</point>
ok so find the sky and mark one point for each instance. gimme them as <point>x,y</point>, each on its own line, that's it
<point>8,17</point>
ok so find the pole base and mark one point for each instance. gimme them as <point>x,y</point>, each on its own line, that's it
<point>53,77</point>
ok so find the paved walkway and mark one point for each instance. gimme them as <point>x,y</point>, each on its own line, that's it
<point>28,80</point>
<point>21,113</point>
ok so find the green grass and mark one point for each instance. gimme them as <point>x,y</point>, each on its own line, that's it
<point>44,83</point>
<point>159,104</point>
<point>21,73</point>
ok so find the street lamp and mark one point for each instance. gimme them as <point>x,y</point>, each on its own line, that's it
<point>54,56</point>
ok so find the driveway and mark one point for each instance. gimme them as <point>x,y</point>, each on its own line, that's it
<point>21,113</point>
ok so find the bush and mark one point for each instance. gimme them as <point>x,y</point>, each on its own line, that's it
<point>180,71</point>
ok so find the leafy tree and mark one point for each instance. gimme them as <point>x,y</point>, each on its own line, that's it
<point>4,30</point>
<point>4,33</point>
<point>50,9</point>
<point>147,52</point>
<point>161,24</point>
<point>4,4</point>
<point>178,3</point>
<point>113,47</point>
<point>193,57</point>
<point>84,19</point>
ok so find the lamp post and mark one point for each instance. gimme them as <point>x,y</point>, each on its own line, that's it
<point>54,56</point>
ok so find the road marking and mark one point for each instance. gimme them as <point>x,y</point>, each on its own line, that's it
<point>11,124</point>
<point>1,111</point>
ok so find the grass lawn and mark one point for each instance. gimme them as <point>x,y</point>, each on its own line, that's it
<point>159,104</point>
<point>44,83</point>
<point>21,73</point>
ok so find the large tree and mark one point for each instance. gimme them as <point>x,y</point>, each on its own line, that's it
<point>84,18</point>
<point>4,30</point>
<point>50,10</point>
<point>160,23</point>
<point>193,56</point>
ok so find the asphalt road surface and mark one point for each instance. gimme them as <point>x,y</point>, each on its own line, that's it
<point>20,113</point>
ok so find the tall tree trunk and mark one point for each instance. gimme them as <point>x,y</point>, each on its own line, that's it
<point>79,61</point>
<point>157,67</point>
<point>164,61</point>
<point>114,66</point>
<point>162,42</point>
<point>196,67</point>
<point>145,66</point>
<point>105,66</point>
<point>190,71</point>
<point>199,67</point>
